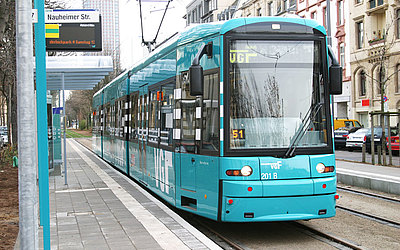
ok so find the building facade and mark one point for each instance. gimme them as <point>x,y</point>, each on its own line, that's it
<point>375,58</point>
<point>340,30</point>
<point>109,10</point>
<point>316,9</point>
<point>268,7</point>
<point>205,11</point>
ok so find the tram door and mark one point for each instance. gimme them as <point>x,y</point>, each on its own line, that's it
<point>188,124</point>
<point>143,130</point>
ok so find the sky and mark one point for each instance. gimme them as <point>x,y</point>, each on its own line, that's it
<point>130,30</point>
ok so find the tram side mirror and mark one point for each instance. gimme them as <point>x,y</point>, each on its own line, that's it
<point>335,74</point>
<point>196,80</point>
<point>335,80</point>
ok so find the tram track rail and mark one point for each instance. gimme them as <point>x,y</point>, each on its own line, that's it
<point>329,237</point>
<point>218,238</point>
<point>368,194</point>
<point>379,219</point>
<point>370,216</point>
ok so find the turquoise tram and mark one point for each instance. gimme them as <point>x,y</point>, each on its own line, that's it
<point>229,120</point>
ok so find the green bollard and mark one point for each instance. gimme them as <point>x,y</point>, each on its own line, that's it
<point>15,161</point>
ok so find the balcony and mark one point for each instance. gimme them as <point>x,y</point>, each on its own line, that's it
<point>376,7</point>
<point>376,41</point>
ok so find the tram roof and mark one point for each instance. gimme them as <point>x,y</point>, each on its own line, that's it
<point>198,31</point>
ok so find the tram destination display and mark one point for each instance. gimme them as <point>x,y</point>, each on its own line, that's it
<point>73,30</point>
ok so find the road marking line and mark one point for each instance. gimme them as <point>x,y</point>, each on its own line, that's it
<point>80,190</point>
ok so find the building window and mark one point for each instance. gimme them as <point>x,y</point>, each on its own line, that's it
<point>360,34</point>
<point>279,7</point>
<point>397,74</point>
<point>270,8</point>
<point>340,13</point>
<point>398,23</point>
<point>313,15</point>
<point>324,11</point>
<point>292,4</point>
<point>259,12</point>
<point>375,3</point>
<point>358,1</point>
<point>341,53</point>
<point>379,79</point>
<point>363,82</point>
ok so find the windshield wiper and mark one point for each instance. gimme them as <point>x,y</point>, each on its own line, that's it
<point>301,131</point>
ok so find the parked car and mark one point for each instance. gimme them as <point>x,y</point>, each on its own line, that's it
<point>395,144</point>
<point>356,140</point>
<point>341,135</point>
<point>4,136</point>
<point>348,123</point>
<point>378,137</point>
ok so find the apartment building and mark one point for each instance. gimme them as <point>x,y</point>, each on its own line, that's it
<point>375,57</point>
<point>205,11</point>
<point>316,9</point>
<point>340,37</point>
<point>268,7</point>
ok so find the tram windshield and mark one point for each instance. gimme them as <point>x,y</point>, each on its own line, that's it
<point>276,95</point>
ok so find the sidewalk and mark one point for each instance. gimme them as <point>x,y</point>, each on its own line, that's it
<point>380,178</point>
<point>102,209</point>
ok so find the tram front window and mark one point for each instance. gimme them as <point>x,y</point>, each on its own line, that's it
<point>277,95</point>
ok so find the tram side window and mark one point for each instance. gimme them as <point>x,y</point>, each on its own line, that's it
<point>118,119</point>
<point>113,120</point>
<point>166,118</point>
<point>210,133</point>
<point>133,113</point>
<point>153,116</point>
<point>121,116</point>
<point>107,125</point>
<point>95,122</point>
<point>188,117</point>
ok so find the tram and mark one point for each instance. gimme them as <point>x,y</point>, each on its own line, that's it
<point>229,120</point>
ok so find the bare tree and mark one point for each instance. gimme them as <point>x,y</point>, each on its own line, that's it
<point>8,65</point>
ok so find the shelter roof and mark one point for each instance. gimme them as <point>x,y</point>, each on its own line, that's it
<point>80,72</point>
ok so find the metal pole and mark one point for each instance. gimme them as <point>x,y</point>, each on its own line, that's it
<point>389,141</point>
<point>42,139</point>
<point>372,141</point>
<point>65,130</point>
<point>28,217</point>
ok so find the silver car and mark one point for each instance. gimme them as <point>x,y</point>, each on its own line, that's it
<point>355,140</point>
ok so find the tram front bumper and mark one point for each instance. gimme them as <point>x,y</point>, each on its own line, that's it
<point>280,200</point>
<point>278,208</point>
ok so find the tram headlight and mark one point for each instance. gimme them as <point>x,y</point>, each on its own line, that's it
<point>246,171</point>
<point>320,168</point>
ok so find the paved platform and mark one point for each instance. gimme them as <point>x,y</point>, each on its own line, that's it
<point>102,209</point>
<point>380,178</point>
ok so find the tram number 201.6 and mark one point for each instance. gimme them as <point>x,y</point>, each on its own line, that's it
<point>269,176</point>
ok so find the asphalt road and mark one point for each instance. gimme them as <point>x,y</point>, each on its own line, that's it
<point>356,156</point>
